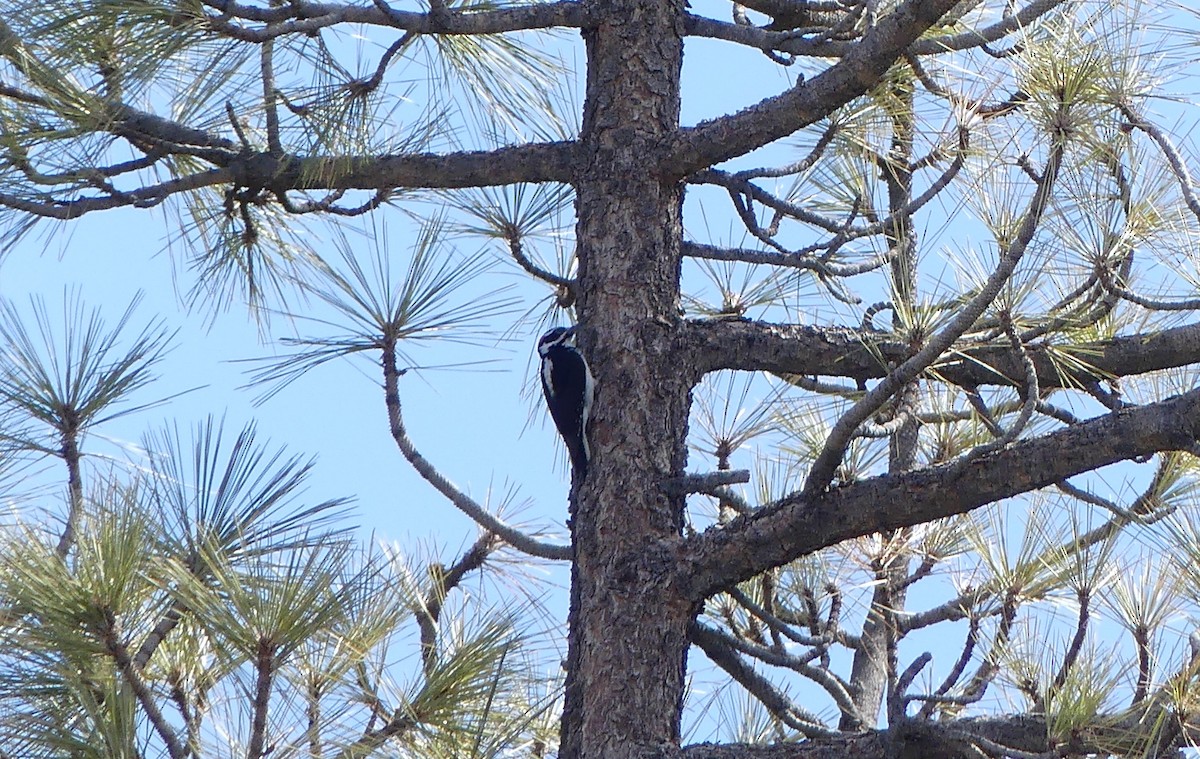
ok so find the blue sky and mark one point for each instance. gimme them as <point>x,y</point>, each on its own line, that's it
<point>485,430</point>
<point>485,427</point>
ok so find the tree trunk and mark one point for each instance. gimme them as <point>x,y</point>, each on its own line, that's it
<point>625,664</point>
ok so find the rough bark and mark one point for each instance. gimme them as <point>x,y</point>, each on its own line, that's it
<point>539,162</point>
<point>637,583</point>
<point>625,678</point>
<point>916,739</point>
<point>629,614</point>
<point>628,645</point>
<point>794,527</point>
<point>864,354</point>
<point>860,69</point>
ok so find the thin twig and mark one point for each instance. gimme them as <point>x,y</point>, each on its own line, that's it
<point>264,668</point>
<point>955,673</point>
<point>518,253</point>
<point>831,683</point>
<point>707,482</point>
<point>825,465</point>
<point>1060,678</point>
<point>897,698</point>
<point>804,164</point>
<point>363,86</point>
<point>444,581</point>
<point>270,98</point>
<point>1174,160</point>
<point>120,655</point>
<point>71,455</point>
<point>778,625</point>
<point>461,500</point>
<point>776,702</point>
<point>990,666</point>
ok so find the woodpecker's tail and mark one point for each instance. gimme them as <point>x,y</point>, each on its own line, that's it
<point>579,462</point>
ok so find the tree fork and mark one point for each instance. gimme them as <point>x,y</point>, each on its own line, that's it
<point>625,663</point>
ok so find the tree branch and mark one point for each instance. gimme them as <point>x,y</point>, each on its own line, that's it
<point>712,142</point>
<point>776,701</point>
<point>132,676</point>
<point>712,638</point>
<point>979,37</point>
<point>461,500</point>
<point>795,526</point>
<point>821,472</point>
<point>540,162</point>
<point>706,482</point>
<point>71,455</point>
<point>534,162</point>
<point>788,42</point>
<point>1020,735</point>
<point>264,668</point>
<point>65,209</point>
<point>445,580</point>
<point>303,17</point>
<point>866,354</point>
<point>785,258</point>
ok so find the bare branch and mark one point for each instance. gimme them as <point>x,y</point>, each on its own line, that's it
<point>707,482</point>
<point>132,675</point>
<point>860,68</point>
<point>444,581</point>
<point>736,184</point>
<point>1154,304</point>
<point>539,162</point>
<point>956,671</point>
<point>799,525</point>
<point>518,253</point>
<point>142,197</point>
<point>785,258</point>
<point>832,685</point>
<point>826,463</point>
<point>823,633</point>
<point>861,355</point>
<point>303,17</point>
<point>776,702</point>
<point>1178,167</point>
<point>372,83</point>
<point>790,42</point>
<point>461,500</point>
<point>797,167</point>
<point>1073,651</point>
<point>1010,23</point>
<point>1030,391</point>
<point>1021,736</point>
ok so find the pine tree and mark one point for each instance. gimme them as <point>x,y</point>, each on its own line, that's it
<point>961,286</point>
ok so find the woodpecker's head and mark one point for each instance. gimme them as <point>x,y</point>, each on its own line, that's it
<point>564,336</point>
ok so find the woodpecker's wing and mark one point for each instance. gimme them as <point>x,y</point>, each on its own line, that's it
<point>567,385</point>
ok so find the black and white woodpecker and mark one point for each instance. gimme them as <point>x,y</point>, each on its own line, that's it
<point>568,385</point>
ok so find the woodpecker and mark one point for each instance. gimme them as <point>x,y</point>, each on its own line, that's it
<point>568,385</point>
